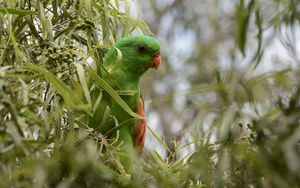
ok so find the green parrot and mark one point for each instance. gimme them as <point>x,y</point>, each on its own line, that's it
<point>123,66</point>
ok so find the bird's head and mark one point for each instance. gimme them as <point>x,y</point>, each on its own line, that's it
<point>135,54</point>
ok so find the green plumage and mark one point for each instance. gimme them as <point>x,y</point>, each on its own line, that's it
<point>123,66</point>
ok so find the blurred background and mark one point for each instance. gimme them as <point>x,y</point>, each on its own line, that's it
<point>207,42</point>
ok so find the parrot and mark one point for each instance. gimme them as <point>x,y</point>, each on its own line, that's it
<point>123,66</point>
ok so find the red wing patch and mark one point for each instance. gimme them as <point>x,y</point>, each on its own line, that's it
<point>140,128</point>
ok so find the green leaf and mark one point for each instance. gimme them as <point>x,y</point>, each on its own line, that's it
<point>33,30</point>
<point>259,51</point>
<point>79,39</point>
<point>46,24</point>
<point>17,11</point>
<point>71,99</point>
<point>158,139</point>
<point>243,16</point>
<point>119,126</point>
<point>82,79</point>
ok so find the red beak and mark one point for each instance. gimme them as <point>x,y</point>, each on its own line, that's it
<point>155,61</point>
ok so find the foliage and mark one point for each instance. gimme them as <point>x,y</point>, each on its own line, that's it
<point>50,53</point>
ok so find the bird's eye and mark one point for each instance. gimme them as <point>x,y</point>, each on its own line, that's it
<point>141,48</point>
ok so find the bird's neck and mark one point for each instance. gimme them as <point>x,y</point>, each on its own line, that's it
<point>124,71</point>
<point>122,64</point>
<point>121,79</point>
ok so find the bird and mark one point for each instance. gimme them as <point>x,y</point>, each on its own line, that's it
<point>123,66</point>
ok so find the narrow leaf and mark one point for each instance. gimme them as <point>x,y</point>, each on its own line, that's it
<point>258,22</point>
<point>243,16</point>
<point>82,79</point>
<point>71,99</point>
<point>16,11</point>
<point>159,140</point>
